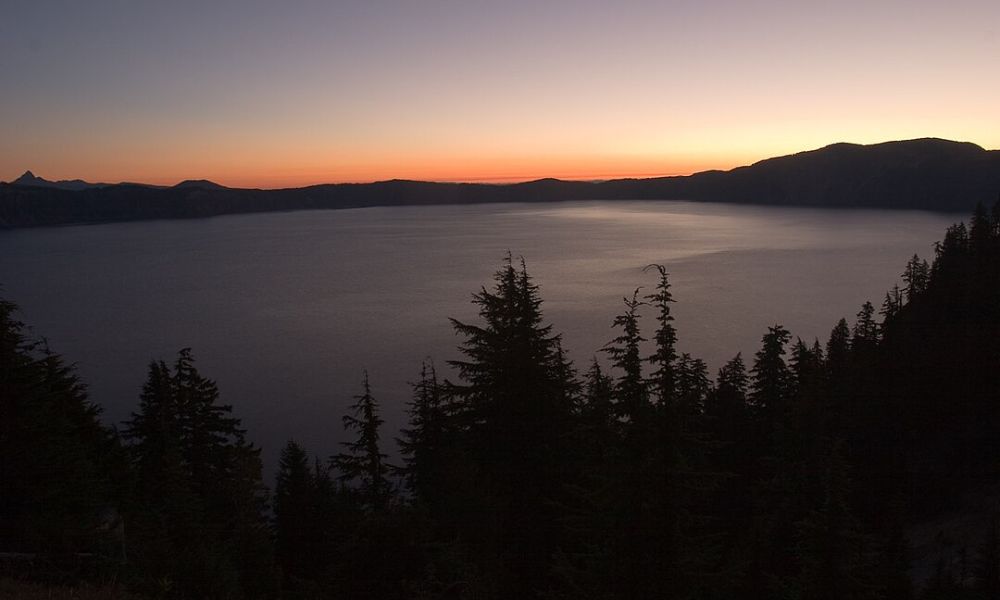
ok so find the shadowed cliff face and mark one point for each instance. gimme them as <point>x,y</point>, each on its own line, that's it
<point>928,174</point>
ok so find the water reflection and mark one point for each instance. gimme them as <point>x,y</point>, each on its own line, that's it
<point>284,310</point>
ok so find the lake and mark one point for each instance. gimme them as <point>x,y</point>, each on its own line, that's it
<point>285,310</point>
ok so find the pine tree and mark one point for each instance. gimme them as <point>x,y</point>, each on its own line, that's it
<point>294,510</point>
<point>810,411</point>
<point>514,411</point>
<point>980,231</point>
<point>732,382</point>
<point>916,277</point>
<point>597,413</point>
<point>776,495</point>
<point>692,387</point>
<point>892,304</point>
<point>631,394</point>
<point>663,380</point>
<point>54,453</point>
<point>728,420</point>
<point>633,523</point>
<point>651,527</point>
<point>169,514</point>
<point>364,463</point>
<point>155,430</point>
<point>513,376</point>
<point>198,510</point>
<point>865,333</point>
<point>598,390</point>
<point>423,443</point>
<point>838,350</point>
<point>806,367</point>
<point>585,564</point>
<point>335,516</point>
<point>949,256</point>
<point>770,377</point>
<point>224,467</point>
<point>568,388</point>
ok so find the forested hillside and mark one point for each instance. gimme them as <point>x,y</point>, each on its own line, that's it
<point>810,470</point>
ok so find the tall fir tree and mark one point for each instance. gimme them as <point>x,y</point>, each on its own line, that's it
<point>55,455</point>
<point>198,509</point>
<point>731,388</point>
<point>663,380</point>
<point>363,463</point>
<point>294,513</point>
<point>631,392</point>
<point>514,412</point>
<point>838,350</point>
<point>771,380</point>
<point>692,388</point>
<point>864,336</point>
<point>916,277</point>
<point>891,305</point>
<point>424,442</point>
<point>597,412</point>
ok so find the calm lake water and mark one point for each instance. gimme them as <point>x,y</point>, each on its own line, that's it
<point>285,310</point>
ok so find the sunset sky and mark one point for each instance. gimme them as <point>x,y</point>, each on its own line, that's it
<point>269,94</point>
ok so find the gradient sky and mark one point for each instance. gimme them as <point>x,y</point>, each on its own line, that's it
<point>273,94</point>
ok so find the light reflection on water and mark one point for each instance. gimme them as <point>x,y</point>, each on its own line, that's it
<point>285,309</point>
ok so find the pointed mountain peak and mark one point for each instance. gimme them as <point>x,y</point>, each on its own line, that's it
<point>32,180</point>
<point>28,177</point>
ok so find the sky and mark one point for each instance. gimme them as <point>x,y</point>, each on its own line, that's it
<point>278,94</point>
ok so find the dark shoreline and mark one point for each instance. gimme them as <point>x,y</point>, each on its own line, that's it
<point>927,174</point>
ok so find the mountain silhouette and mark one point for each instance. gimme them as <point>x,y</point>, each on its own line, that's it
<point>30,179</point>
<point>926,174</point>
<point>199,184</point>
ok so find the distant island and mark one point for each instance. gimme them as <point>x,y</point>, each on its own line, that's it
<point>925,174</point>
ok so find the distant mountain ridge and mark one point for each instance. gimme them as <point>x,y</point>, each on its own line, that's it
<point>927,174</point>
<point>30,179</point>
<point>199,184</point>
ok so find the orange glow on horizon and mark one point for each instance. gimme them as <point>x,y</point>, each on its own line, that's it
<point>293,163</point>
<point>454,171</point>
<point>452,174</point>
<point>264,97</point>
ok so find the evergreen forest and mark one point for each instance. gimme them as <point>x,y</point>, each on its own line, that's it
<point>861,466</point>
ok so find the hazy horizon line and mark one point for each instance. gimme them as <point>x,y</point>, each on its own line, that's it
<point>498,180</point>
